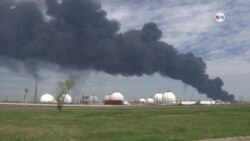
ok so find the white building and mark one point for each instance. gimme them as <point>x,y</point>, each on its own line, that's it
<point>208,102</point>
<point>188,102</point>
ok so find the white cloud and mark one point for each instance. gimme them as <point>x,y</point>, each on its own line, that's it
<point>229,66</point>
<point>180,24</point>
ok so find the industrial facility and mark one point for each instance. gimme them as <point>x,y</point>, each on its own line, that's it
<point>117,98</point>
<point>167,98</point>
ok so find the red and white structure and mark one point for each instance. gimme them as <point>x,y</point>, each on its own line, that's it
<point>116,98</point>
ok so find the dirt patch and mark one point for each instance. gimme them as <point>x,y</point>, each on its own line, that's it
<point>229,139</point>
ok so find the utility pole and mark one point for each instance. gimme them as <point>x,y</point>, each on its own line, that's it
<point>35,94</point>
<point>25,97</point>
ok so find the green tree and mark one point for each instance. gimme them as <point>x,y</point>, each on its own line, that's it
<point>63,87</point>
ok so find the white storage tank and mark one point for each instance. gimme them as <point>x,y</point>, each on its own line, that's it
<point>67,99</point>
<point>169,98</point>
<point>93,99</point>
<point>142,101</point>
<point>158,98</point>
<point>47,98</point>
<point>126,103</point>
<point>208,102</point>
<point>188,102</point>
<point>116,96</point>
<point>150,101</point>
<point>106,97</point>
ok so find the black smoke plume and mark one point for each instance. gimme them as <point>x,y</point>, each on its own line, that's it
<point>76,34</point>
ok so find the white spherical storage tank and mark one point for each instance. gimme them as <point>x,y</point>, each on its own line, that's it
<point>116,96</point>
<point>142,101</point>
<point>106,97</point>
<point>93,99</point>
<point>47,98</point>
<point>150,101</point>
<point>67,99</point>
<point>158,98</point>
<point>169,98</point>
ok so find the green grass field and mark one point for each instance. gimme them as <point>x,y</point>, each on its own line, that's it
<point>125,124</point>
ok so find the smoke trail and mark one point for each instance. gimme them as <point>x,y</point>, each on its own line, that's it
<point>78,36</point>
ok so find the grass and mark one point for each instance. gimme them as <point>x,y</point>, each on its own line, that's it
<point>125,124</point>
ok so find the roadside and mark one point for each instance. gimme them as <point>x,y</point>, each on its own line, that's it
<point>247,138</point>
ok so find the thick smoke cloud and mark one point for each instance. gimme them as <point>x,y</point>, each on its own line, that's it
<point>79,36</point>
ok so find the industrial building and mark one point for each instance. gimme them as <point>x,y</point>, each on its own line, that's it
<point>188,102</point>
<point>208,102</point>
<point>93,99</point>
<point>192,102</point>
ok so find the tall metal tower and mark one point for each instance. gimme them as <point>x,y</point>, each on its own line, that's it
<point>35,94</point>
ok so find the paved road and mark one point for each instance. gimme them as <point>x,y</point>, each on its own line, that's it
<point>230,139</point>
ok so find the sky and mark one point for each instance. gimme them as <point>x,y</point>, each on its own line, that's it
<point>189,26</point>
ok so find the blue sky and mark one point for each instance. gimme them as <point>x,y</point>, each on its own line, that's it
<point>189,26</point>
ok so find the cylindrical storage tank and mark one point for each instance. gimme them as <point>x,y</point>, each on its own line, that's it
<point>169,98</point>
<point>158,98</point>
<point>116,98</point>
<point>207,102</point>
<point>126,103</point>
<point>67,99</point>
<point>142,101</point>
<point>188,102</point>
<point>150,101</point>
<point>106,99</point>
<point>47,98</point>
